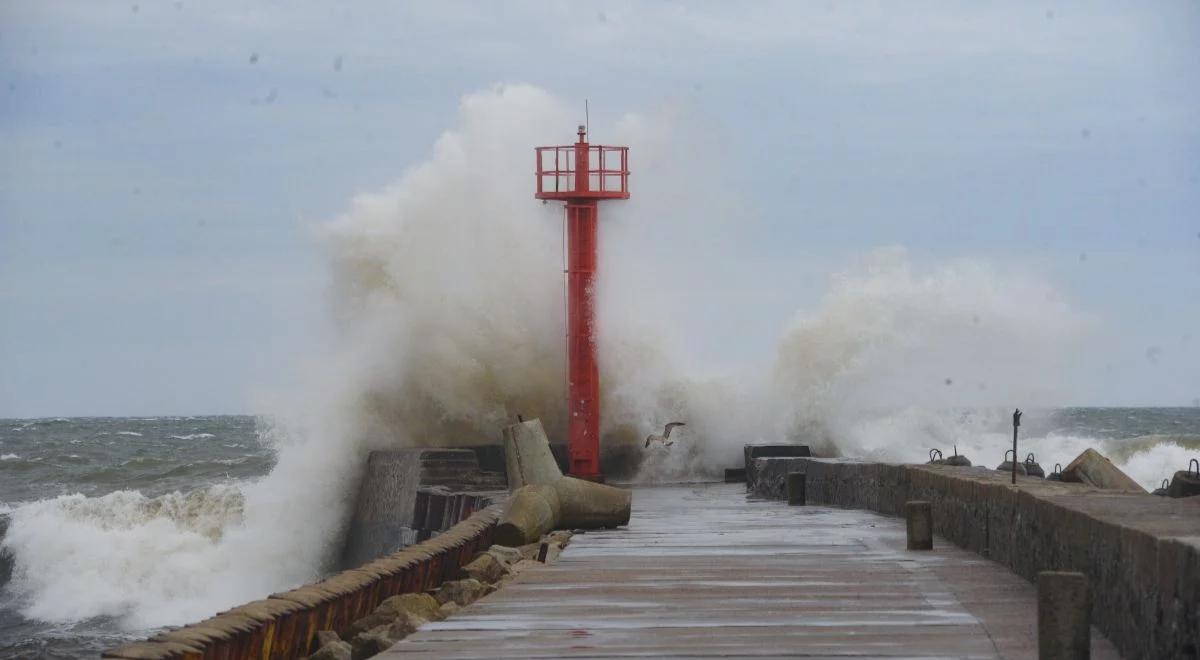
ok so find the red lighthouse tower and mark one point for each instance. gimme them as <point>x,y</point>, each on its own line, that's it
<point>581,175</point>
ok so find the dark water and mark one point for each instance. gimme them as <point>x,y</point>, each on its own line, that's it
<point>97,457</point>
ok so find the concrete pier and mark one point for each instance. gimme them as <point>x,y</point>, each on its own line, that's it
<point>1064,615</point>
<point>703,572</point>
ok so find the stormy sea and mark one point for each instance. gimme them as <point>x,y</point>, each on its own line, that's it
<point>114,527</point>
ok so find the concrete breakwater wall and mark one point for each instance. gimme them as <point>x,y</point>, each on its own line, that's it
<point>285,625</point>
<point>1140,553</point>
<point>409,495</point>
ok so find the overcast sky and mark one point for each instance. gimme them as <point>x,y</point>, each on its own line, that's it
<point>162,163</point>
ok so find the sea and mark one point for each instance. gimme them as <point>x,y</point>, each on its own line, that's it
<point>56,472</point>
<point>42,460</point>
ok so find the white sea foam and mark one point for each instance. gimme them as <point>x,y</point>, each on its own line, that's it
<point>130,433</point>
<point>9,457</point>
<point>448,292</point>
<point>125,554</point>
<point>193,436</point>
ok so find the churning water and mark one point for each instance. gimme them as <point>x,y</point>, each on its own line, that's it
<point>448,294</point>
<point>107,519</point>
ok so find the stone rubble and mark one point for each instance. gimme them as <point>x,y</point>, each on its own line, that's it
<point>400,616</point>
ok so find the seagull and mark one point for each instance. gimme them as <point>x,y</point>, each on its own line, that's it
<point>665,434</point>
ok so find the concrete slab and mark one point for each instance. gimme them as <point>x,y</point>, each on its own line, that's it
<point>703,572</point>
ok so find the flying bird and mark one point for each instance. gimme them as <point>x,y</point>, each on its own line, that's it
<point>665,434</point>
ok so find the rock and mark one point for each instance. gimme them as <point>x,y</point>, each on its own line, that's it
<point>1092,468</point>
<point>529,551</point>
<point>338,650</point>
<point>562,537</point>
<point>505,555</point>
<point>370,643</point>
<point>549,551</point>
<point>404,626</point>
<point>379,617</point>
<point>462,592</point>
<point>958,460</point>
<point>484,568</point>
<point>327,637</point>
<point>420,605</point>
<point>448,610</point>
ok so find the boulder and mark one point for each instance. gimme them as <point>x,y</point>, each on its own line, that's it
<point>529,551</point>
<point>420,605</point>
<point>1094,469</point>
<point>326,637</point>
<point>485,568</point>
<point>371,643</point>
<point>561,537</point>
<point>406,625</point>
<point>338,650</point>
<point>505,555</point>
<point>462,592</point>
<point>380,617</point>
<point>448,609</point>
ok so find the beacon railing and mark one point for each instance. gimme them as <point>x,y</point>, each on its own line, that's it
<point>607,172</point>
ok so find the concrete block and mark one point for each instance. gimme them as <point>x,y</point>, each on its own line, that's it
<point>1064,616</point>
<point>386,500</point>
<point>919,525</point>
<point>1185,483</point>
<point>1094,469</point>
<point>770,479</point>
<point>751,452</point>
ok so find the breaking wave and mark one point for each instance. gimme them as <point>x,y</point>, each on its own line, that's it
<point>447,290</point>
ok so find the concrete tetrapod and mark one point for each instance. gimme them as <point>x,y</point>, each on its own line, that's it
<point>1094,469</point>
<point>543,499</point>
<point>527,455</point>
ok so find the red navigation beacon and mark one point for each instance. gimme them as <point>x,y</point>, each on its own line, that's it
<point>581,175</point>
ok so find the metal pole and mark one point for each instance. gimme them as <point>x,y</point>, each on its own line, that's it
<point>1016,424</point>
<point>583,389</point>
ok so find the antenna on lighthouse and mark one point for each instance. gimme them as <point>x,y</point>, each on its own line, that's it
<point>581,175</point>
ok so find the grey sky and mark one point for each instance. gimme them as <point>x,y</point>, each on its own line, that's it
<point>161,164</point>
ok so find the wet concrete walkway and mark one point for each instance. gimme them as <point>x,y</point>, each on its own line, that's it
<point>702,571</point>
